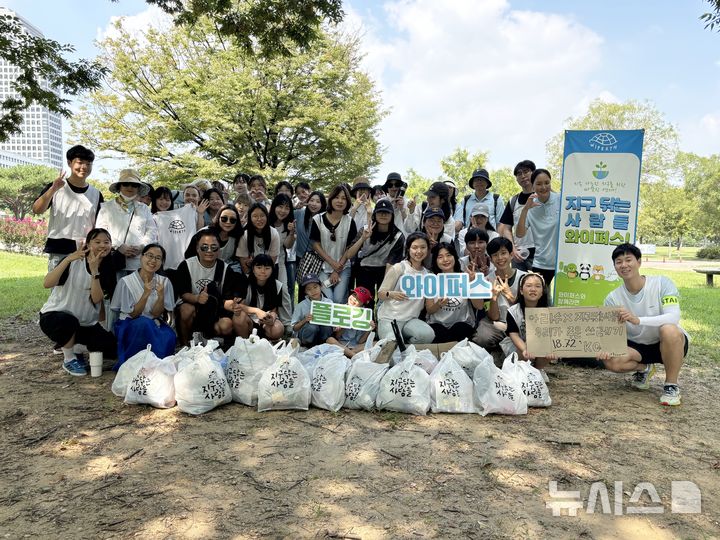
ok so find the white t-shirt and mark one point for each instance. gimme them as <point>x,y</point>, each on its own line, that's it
<point>175,230</point>
<point>657,303</point>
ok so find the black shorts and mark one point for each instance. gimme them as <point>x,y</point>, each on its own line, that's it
<point>60,327</point>
<point>650,354</point>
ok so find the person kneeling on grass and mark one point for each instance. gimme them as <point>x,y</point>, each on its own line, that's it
<point>350,339</point>
<point>70,316</point>
<point>304,330</point>
<point>532,294</point>
<point>650,309</point>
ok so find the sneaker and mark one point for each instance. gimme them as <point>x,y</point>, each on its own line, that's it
<point>544,376</point>
<point>641,379</point>
<point>671,395</point>
<point>75,368</point>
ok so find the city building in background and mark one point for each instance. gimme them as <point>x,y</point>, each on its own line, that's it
<point>40,142</point>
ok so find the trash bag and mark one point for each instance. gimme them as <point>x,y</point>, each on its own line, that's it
<point>328,382</point>
<point>405,388</point>
<point>200,383</point>
<point>451,390</point>
<point>128,369</point>
<point>362,384</point>
<point>154,383</point>
<point>247,360</point>
<point>468,355</point>
<point>310,357</point>
<point>530,379</point>
<point>496,391</point>
<point>284,385</point>
<point>424,359</point>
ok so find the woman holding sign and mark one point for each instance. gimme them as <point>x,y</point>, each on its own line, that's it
<point>394,303</point>
<point>532,294</point>
<point>452,319</point>
<point>541,215</point>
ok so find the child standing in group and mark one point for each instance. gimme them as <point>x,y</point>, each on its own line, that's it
<point>349,339</point>
<point>308,333</point>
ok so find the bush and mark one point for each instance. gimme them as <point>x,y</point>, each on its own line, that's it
<point>709,253</point>
<point>23,235</point>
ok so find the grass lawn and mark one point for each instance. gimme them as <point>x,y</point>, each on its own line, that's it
<point>663,253</point>
<point>23,295</point>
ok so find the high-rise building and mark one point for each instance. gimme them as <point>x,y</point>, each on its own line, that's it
<point>40,141</point>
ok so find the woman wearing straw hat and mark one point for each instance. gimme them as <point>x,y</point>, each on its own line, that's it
<point>129,222</point>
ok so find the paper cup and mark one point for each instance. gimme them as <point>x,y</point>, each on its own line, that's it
<point>96,364</point>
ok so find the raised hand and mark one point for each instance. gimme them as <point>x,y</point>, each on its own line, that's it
<point>203,296</point>
<point>59,182</point>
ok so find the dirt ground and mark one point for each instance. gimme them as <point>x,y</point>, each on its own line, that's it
<point>78,463</point>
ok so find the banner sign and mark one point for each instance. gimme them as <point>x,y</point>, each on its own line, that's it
<point>341,315</point>
<point>575,332</point>
<point>450,285</point>
<point>599,197</point>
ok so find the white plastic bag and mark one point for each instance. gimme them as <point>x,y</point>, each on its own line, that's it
<point>247,360</point>
<point>154,383</point>
<point>328,382</point>
<point>530,380</point>
<point>425,359</point>
<point>284,385</point>
<point>128,369</point>
<point>405,388</point>
<point>200,383</point>
<point>468,355</point>
<point>496,391</point>
<point>451,390</point>
<point>362,384</point>
<point>310,357</point>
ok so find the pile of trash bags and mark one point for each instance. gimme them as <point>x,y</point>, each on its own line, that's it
<point>255,373</point>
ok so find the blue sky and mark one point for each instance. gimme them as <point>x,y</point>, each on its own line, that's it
<point>497,75</point>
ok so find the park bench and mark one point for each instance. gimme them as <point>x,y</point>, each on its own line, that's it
<point>709,273</point>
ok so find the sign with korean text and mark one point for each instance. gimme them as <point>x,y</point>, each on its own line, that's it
<point>341,315</point>
<point>599,198</point>
<point>575,332</point>
<point>450,285</point>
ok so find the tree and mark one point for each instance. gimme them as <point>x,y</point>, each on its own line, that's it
<point>459,166</point>
<point>712,18</point>
<point>21,185</point>
<point>702,178</point>
<point>42,68</point>
<point>665,212</point>
<point>660,146</point>
<point>189,103</point>
<point>265,27</point>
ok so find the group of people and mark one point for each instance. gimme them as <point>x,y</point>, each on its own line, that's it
<point>154,265</point>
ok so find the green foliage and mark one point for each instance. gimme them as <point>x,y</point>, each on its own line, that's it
<point>21,185</point>
<point>24,235</point>
<point>660,146</point>
<point>702,178</point>
<point>712,18</point>
<point>665,211</point>
<point>189,103</point>
<point>42,66</point>
<point>417,185</point>
<point>267,27</point>
<point>712,252</point>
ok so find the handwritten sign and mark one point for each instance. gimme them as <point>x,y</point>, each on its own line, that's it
<point>341,315</point>
<point>575,332</point>
<point>450,285</point>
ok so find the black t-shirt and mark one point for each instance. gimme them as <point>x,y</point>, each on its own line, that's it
<point>507,217</point>
<point>315,231</point>
<point>65,246</point>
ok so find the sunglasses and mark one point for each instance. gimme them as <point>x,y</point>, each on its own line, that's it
<point>392,185</point>
<point>128,184</point>
<point>205,248</point>
<point>228,219</point>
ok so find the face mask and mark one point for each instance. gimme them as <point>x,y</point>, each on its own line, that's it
<point>128,199</point>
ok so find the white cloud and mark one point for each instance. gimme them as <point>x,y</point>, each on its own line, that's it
<point>136,25</point>
<point>477,74</point>
<point>700,135</point>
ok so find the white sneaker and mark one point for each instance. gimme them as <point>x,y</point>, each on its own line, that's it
<point>641,379</point>
<point>671,395</point>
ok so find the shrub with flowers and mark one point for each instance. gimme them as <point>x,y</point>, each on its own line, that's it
<point>23,235</point>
